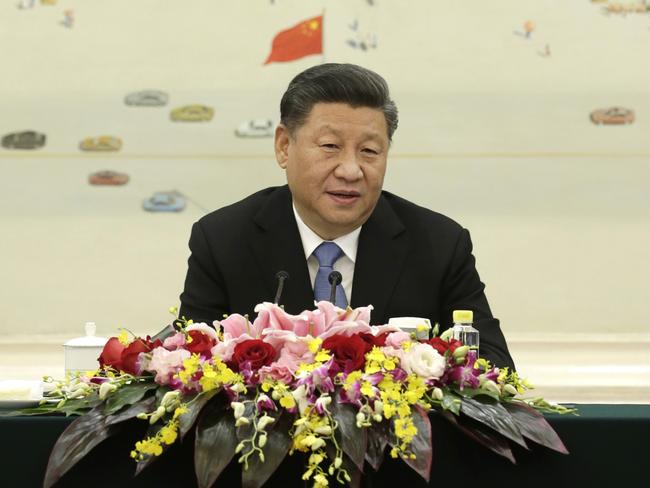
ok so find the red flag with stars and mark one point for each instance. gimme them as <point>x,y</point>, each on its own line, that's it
<point>298,41</point>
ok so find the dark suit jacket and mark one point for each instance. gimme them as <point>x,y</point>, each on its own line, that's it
<point>410,262</point>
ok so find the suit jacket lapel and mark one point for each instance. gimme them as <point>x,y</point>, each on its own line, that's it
<point>277,246</point>
<point>383,246</point>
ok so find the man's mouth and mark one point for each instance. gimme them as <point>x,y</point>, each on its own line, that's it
<point>344,196</point>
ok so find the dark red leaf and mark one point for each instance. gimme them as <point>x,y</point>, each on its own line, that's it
<point>77,440</point>
<point>84,434</point>
<point>215,443</point>
<point>186,421</point>
<point>353,439</point>
<point>133,411</point>
<point>494,415</point>
<point>377,442</point>
<point>534,426</point>
<point>482,435</point>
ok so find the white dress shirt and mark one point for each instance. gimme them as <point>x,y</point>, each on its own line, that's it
<point>344,265</point>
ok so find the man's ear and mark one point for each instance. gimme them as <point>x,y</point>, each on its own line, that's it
<point>282,140</point>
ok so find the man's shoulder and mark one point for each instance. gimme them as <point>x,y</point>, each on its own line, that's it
<point>243,210</point>
<point>415,216</point>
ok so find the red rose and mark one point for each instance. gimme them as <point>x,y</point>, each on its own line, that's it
<point>130,356</point>
<point>201,344</point>
<point>255,351</point>
<point>112,354</point>
<point>373,340</point>
<point>349,352</point>
<point>442,346</point>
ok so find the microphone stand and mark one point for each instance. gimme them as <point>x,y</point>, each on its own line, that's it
<point>281,276</point>
<point>334,278</point>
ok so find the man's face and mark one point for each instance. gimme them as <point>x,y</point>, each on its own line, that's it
<point>335,164</point>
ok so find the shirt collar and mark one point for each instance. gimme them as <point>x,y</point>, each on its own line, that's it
<point>310,240</point>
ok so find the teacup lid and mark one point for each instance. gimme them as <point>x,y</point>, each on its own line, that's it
<point>89,340</point>
<point>410,324</point>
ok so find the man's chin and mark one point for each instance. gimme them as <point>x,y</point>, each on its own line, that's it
<point>340,223</point>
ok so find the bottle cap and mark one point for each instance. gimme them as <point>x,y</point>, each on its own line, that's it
<point>463,316</point>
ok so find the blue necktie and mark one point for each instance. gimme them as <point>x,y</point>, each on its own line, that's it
<point>327,254</point>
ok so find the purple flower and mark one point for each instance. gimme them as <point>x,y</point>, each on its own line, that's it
<point>463,376</point>
<point>322,403</point>
<point>321,377</point>
<point>399,374</point>
<point>264,403</point>
<point>375,378</point>
<point>352,395</point>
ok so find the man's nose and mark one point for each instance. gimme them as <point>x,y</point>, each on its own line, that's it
<point>349,168</point>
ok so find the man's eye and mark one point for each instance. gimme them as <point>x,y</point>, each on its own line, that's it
<point>329,146</point>
<point>372,152</point>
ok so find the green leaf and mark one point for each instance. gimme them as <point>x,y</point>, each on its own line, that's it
<point>421,445</point>
<point>276,449</point>
<point>353,439</point>
<point>215,443</point>
<point>40,410</point>
<point>127,395</point>
<point>377,442</point>
<point>143,406</point>
<point>186,421</point>
<point>80,406</point>
<point>451,402</point>
<point>534,426</point>
<point>483,435</point>
<point>77,440</point>
<point>495,416</point>
<point>472,393</point>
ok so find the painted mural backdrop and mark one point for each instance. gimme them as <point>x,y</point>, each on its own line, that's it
<point>549,72</point>
<point>125,121</point>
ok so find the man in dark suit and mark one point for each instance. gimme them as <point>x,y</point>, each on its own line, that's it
<point>337,121</point>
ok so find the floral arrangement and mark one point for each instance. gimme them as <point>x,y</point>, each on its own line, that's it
<point>324,383</point>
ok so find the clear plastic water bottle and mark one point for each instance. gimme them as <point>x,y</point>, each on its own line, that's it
<point>463,330</point>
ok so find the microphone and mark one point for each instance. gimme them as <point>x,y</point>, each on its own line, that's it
<point>281,276</point>
<point>334,278</point>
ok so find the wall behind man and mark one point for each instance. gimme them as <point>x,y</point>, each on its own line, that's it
<point>494,131</point>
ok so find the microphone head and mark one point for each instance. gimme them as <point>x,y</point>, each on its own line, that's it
<point>282,274</point>
<point>335,278</point>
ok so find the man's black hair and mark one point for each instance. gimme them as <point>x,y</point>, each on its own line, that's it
<point>336,83</point>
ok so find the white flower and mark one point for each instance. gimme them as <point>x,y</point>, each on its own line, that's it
<point>238,388</point>
<point>490,385</point>
<point>238,409</point>
<point>262,440</point>
<point>379,407</point>
<point>155,417</point>
<point>106,389</point>
<point>264,421</point>
<point>300,396</point>
<point>242,421</point>
<point>205,328</point>
<point>424,361</point>
<point>170,400</point>
<point>317,444</point>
